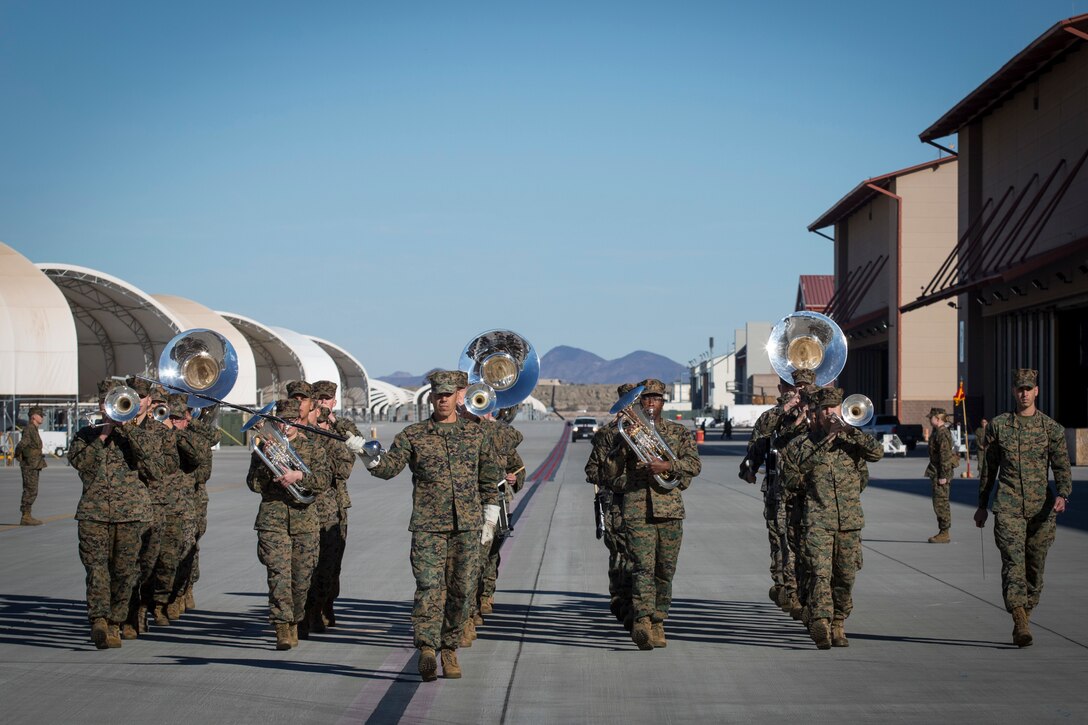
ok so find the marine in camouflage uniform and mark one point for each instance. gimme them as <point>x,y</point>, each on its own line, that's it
<point>195,443</point>
<point>288,530</point>
<point>608,479</point>
<point>654,517</point>
<point>825,464</point>
<point>28,451</point>
<point>773,430</point>
<point>1020,448</point>
<point>980,442</point>
<point>324,392</point>
<point>454,470</point>
<point>113,514</point>
<point>942,464</point>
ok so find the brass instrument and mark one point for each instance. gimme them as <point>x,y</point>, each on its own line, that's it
<point>480,399</point>
<point>807,341</point>
<point>640,433</point>
<point>503,361</point>
<point>856,410</point>
<point>122,404</point>
<point>161,412</point>
<point>275,451</point>
<point>200,362</point>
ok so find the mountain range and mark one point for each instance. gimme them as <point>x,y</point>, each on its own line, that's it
<point>577,366</point>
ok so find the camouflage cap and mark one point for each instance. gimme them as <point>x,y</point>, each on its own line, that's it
<point>141,386</point>
<point>939,412</point>
<point>653,386</point>
<point>829,396</point>
<point>804,377</point>
<point>289,409</point>
<point>323,414</point>
<point>36,410</point>
<point>323,389</point>
<point>105,386</point>
<point>625,389</point>
<point>1025,378</point>
<point>158,395</point>
<point>447,381</point>
<point>179,404</point>
<point>299,387</point>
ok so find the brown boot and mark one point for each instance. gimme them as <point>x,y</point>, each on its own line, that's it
<point>293,632</point>
<point>467,634</point>
<point>451,669</point>
<point>283,635</point>
<point>159,613</point>
<point>113,636</point>
<point>487,605</point>
<point>784,600</point>
<point>141,619</point>
<point>640,633</point>
<point>190,600</point>
<point>99,632</point>
<point>128,631</point>
<point>820,630</point>
<point>773,593</point>
<point>28,520</point>
<point>428,664</point>
<point>173,610</point>
<point>795,608</point>
<point>838,634</point>
<point>1021,634</point>
<point>477,619</point>
<point>941,537</point>
<point>657,635</point>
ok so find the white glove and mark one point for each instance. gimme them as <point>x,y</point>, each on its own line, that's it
<point>369,451</point>
<point>355,444</point>
<point>491,520</point>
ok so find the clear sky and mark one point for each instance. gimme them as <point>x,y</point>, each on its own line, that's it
<point>398,176</point>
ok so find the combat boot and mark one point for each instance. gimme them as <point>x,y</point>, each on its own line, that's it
<point>428,664</point>
<point>159,613</point>
<point>173,610</point>
<point>1021,634</point>
<point>113,635</point>
<point>487,605</point>
<point>773,593</point>
<point>640,633</point>
<point>657,635</point>
<point>629,620</point>
<point>128,631</point>
<point>451,669</point>
<point>941,537</point>
<point>283,635</point>
<point>99,632</point>
<point>616,607</point>
<point>795,608</point>
<point>190,600</point>
<point>806,617</point>
<point>784,599</point>
<point>838,634</point>
<point>477,620</point>
<point>28,520</point>
<point>292,631</point>
<point>141,619</point>
<point>820,630</point>
<point>467,634</point>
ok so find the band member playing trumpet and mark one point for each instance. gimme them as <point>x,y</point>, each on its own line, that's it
<point>654,516</point>
<point>825,465</point>
<point>287,528</point>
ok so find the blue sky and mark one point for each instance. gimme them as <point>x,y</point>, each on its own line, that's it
<point>399,176</point>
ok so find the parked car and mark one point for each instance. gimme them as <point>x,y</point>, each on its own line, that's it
<point>583,427</point>
<point>881,424</point>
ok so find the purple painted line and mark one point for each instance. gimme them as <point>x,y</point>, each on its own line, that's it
<point>362,707</point>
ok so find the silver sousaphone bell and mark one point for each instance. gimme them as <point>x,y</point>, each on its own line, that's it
<point>807,341</point>
<point>199,361</point>
<point>503,361</point>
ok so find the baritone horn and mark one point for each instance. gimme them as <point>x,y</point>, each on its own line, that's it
<point>640,434</point>
<point>807,341</point>
<point>121,404</point>
<point>275,451</point>
<point>504,362</point>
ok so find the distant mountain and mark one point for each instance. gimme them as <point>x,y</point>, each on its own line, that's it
<point>574,365</point>
<point>406,380</point>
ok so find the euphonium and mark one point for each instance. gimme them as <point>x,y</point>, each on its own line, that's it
<point>273,448</point>
<point>640,433</point>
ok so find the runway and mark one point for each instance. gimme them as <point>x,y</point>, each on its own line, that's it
<point>930,639</point>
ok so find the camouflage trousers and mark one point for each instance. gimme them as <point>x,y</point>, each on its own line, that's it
<point>798,579</point>
<point>619,559</point>
<point>111,555</point>
<point>30,488</point>
<point>490,558</point>
<point>835,558</point>
<point>774,514</point>
<point>654,545</point>
<point>189,569</point>
<point>162,556</point>
<point>446,567</point>
<point>325,585</point>
<point>1024,544</point>
<point>940,503</point>
<point>290,560</point>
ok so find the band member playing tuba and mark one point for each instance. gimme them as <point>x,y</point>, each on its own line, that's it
<point>654,514</point>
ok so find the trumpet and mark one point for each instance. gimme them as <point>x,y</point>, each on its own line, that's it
<point>639,432</point>
<point>161,412</point>
<point>856,410</point>
<point>480,399</point>
<point>122,404</point>
<point>275,451</point>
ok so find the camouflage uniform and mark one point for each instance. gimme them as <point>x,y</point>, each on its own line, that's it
<point>28,451</point>
<point>454,470</point>
<point>654,518</point>
<point>607,475</point>
<point>1019,451</point>
<point>506,439</point>
<point>288,531</point>
<point>113,513</point>
<point>980,444</point>
<point>830,476</point>
<point>332,510</point>
<point>942,464</point>
<point>195,444</point>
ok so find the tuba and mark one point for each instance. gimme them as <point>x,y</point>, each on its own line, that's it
<point>200,362</point>
<point>275,451</point>
<point>807,341</point>
<point>122,404</point>
<point>503,361</point>
<point>641,435</point>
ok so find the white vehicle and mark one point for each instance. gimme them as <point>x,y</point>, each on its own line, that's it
<point>893,446</point>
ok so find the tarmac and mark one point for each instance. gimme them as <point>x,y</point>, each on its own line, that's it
<point>930,640</point>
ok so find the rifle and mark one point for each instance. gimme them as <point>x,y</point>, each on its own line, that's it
<point>599,509</point>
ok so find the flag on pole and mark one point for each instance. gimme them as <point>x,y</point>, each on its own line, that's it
<point>960,396</point>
